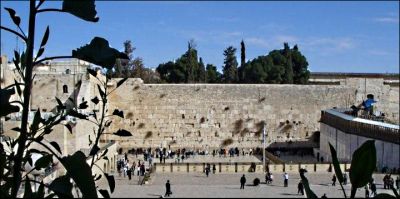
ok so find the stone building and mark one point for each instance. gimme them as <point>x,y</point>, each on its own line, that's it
<point>347,133</point>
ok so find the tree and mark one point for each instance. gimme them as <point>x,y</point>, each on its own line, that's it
<point>124,68</point>
<point>300,64</point>
<point>288,75</point>
<point>186,69</point>
<point>230,73</point>
<point>138,68</point>
<point>242,53</point>
<point>12,165</point>
<point>212,75</point>
<point>201,74</point>
<point>189,61</point>
<point>279,66</point>
<point>242,62</point>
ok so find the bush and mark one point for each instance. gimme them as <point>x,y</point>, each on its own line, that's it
<point>256,182</point>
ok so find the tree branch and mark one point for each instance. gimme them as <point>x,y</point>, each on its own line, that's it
<point>38,6</point>
<point>50,10</point>
<point>51,58</point>
<point>14,32</point>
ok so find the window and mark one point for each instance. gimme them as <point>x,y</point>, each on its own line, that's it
<point>65,89</point>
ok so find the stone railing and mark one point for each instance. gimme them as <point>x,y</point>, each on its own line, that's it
<point>361,127</point>
<point>227,168</point>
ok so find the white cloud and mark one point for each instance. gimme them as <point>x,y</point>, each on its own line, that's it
<point>328,44</point>
<point>387,19</point>
<point>256,41</point>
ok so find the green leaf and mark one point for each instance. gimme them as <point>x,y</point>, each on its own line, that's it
<point>336,165</point>
<point>40,52</point>
<point>363,164</point>
<point>118,113</point>
<point>28,189</point>
<point>62,187</point>
<point>23,61</point>
<point>104,193</point>
<point>384,195</point>
<point>56,146</point>
<point>17,57</point>
<point>45,37</point>
<point>69,127</point>
<point>123,133</point>
<point>60,105</point>
<point>84,9</point>
<point>6,107</point>
<point>309,192</point>
<point>121,82</point>
<point>99,52</point>
<point>17,129</point>
<point>43,162</point>
<point>83,105</point>
<point>74,113</point>
<point>16,19</point>
<point>111,182</point>
<point>81,173</point>
<point>95,100</point>
<point>36,121</point>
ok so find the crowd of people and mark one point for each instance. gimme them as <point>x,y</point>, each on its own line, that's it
<point>126,169</point>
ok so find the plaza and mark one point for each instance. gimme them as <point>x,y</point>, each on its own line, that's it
<point>197,185</point>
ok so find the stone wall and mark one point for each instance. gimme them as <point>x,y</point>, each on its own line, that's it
<point>204,115</point>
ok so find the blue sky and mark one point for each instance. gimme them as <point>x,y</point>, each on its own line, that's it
<point>334,36</point>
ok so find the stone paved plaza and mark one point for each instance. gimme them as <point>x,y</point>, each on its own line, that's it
<point>197,185</point>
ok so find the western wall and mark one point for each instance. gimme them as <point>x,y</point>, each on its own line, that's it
<point>209,115</point>
<point>205,116</point>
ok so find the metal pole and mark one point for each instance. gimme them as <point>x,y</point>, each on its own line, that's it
<point>264,137</point>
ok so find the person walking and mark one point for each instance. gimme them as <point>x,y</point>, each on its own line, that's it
<point>207,170</point>
<point>125,170</point>
<point>285,180</point>
<point>334,180</point>
<point>366,191</point>
<point>168,191</point>
<point>300,188</point>
<point>133,168</point>
<point>373,189</point>
<point>242,182</point>
<point>345,178</point>
<point>129,172</point>
<point>398,182</point>
<point>214,169</point>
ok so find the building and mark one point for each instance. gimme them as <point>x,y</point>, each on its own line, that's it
<point>346,133</point>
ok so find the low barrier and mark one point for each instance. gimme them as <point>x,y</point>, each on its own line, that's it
<point>245,167</point>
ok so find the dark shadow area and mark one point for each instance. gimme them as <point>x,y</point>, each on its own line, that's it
<point>289,194</point>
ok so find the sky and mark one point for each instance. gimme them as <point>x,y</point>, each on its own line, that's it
<point>334,36</point>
